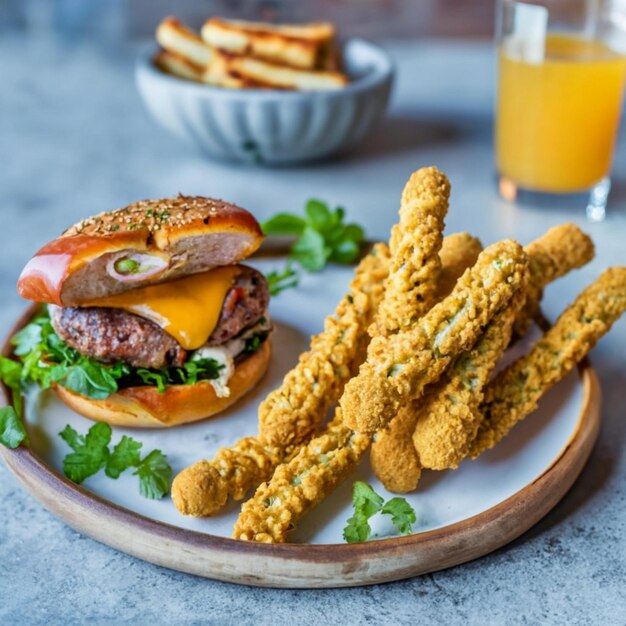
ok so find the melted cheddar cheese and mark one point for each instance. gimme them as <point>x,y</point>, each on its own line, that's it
<point>187,308</point>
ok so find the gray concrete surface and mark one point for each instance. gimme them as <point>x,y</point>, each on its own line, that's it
<point>74,139</point>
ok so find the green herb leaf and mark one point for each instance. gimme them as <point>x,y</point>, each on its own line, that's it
<point>154,475</point>
<point>12,431</point>
<point>124,455</point>
<point>86,377</point>
<point>11,376</point>
<point>322,236</point>
<point>284,224</point>
<point>402,514</point>
<point>366,503</point>
<point>27,339</point>
<point>72,438</point>
<point>357,529</point>
<point>153,377</point>
<point>365,500</point>
<point>319,216</point>
<point>280,281</point>
<point>311,250</point>
<point>90,452</point>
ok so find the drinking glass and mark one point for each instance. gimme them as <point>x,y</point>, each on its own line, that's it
<point>561,77</point>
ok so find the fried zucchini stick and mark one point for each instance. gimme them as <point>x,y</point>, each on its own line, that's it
<point>554,254</point>
<point>294,410</point>
<point>399,367</point>
<point>410,289</point>
<point>448,419</point>
<point>393,456</point>
<point>290,414</point>
<point>514,393</point>
<point>424,352</point>
<point>301,484</point>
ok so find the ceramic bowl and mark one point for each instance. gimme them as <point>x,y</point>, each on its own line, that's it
<point>271,126</point>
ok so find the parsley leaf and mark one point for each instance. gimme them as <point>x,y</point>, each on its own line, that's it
<point>322,235</point>
<point>27,339</point>
<point>87,378</point>
<point>402,514</point>
<point>365,500</point>
<point>310,250</point>
<point>154,475</point>
<point>12,431</point>
<point>284,224</point>
<point>124,455</point>
<point>11,376</point>
<point>90,451</point>
<point>367,503</point>
<point>279,281</point>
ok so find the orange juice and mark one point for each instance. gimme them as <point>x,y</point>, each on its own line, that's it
<point>557,121</point>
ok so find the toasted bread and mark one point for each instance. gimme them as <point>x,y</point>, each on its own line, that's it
<point>176,38</point>
<point>304,46</point>
<point>182,236</point>
<point>264,74</point>
<point>178,66</point>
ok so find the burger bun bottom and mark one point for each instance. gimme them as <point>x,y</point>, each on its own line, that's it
<point>145,407</point>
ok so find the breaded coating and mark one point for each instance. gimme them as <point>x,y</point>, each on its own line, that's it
<point>448,418</point>
<point>203,488</point>
<point>399,367</point>
<point>298,486</point>
<point>415,242</point>
<point>459,251</point>
<point>423,354</point>
<point>554,254</point>
<point>393,456</point>
<point>514,393</point>
<point>291,414</point>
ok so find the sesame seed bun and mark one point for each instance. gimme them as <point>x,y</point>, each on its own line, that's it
<point>186,234</point>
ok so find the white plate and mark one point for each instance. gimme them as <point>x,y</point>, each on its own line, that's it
<point>485,503</point>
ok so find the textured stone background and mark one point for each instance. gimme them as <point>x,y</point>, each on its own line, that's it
<point>74,139</point>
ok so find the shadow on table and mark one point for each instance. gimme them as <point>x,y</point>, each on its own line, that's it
<point>397,134</point>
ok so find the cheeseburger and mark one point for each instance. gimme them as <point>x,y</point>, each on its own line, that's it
<point>152,320</point>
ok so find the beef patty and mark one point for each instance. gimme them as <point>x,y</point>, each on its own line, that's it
<point>111,335</point>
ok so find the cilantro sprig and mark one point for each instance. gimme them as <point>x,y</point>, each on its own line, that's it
<point>91,453</point>
<point>366,503</point>
<point>322,237</point>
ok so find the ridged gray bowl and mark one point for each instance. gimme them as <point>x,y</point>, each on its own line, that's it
<point>271,126</point>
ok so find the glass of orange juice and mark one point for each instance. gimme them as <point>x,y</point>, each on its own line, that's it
<point>561,77</point>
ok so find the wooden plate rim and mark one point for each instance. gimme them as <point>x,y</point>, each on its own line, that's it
<point>27,466</point>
